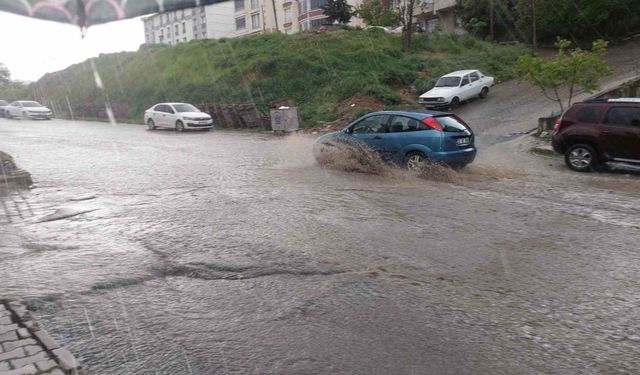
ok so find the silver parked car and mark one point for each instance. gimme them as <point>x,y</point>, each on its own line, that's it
<point>3,104</point>
<point>28,109</point>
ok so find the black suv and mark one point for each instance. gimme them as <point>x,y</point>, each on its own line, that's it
<point>594,132</point>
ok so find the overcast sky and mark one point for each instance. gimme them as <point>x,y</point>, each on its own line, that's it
<point>31,47</point>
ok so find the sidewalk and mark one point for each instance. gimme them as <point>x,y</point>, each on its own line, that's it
<point>25,349</point>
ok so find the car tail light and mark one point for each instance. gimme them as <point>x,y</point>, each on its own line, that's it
<point>432,123</point>
<point>556,126</point>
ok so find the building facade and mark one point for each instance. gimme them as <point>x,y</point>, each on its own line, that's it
<point>180,26</point>
<point>434,14</point>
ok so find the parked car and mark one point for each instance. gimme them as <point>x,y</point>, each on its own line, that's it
<point>409,138</point>
<point>3,104</point>
<point>178,116</point>
<point>594,132</point>
<point>28,109</point>
<point>10,174</point>
<point>454,88</point>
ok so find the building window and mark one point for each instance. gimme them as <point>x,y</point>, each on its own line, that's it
<point>316,4</point>
<point>184,27</point>
<point>204,34</point>
<point>180,13</point>
<point>287,15</point>
<point>255,4</point>
<point>203,20</point>
<point>239,5</point>
<point>193,11</point>
<point>303,7</point>
<point>255,21</point>
<point>241,23</point>
<point>319,22</point>
<point>168,31</point>
<point>176,29</point>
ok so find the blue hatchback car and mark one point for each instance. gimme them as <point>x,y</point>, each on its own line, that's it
<point>410,138</point>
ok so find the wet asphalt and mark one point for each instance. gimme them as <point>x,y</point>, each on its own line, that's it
<point>235,253</point>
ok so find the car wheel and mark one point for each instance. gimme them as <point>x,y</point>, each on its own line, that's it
<point>581,158</point>
<point>151,125</point>
<point>484,93</point>
<point>415,161</point>
<point>7,115</point>
<point>24,115</point>
<point>455,103</point>
<point>179,126</point>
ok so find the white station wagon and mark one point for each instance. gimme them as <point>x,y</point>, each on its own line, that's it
<point>178,116</point>
<point>456,87</point>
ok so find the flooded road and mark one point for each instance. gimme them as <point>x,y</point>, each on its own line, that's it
<point>235,253</point>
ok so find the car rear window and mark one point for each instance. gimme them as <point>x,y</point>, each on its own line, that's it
<point>451,124</point>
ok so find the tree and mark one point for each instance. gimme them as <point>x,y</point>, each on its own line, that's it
<point>568,70</point>
<point>378,13</point>
<point>337,10</point>
<point>476,16</point>
<point>406,9</point>
<point>5,76</point>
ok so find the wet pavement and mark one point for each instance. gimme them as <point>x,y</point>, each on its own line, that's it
<point>235,253</point>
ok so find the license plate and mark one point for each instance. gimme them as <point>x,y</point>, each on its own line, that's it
<point>462,141</point>
<point>203,122</point>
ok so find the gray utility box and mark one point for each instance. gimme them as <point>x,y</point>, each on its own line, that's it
<point>284,119</point>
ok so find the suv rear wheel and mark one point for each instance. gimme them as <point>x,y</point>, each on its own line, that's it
<point>581,158</point>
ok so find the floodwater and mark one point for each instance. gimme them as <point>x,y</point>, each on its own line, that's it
<point>235,253</point>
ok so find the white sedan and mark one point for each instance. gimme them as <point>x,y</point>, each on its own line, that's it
<point>27,109</point>
<point>178,116</point>
<point>456,87</point>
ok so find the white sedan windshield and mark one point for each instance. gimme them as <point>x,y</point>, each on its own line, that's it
<point>448,82</point>
<point>185,108</point>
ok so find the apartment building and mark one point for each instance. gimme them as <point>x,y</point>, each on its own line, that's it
<point>183,25</point>
<point>438,13</point>
<point>287,16</point>
<point>244,17</point>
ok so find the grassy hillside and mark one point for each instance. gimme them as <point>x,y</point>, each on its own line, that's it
<point>317,71</point>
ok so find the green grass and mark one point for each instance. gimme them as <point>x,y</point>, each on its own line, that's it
<point>317,71</point>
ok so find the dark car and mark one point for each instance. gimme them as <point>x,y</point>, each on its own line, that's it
<point>595,132</point>
<point>410,138</point>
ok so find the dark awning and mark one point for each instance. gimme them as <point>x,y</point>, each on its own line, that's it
<point>92,12</point>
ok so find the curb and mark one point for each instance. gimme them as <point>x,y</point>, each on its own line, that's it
<point>543,150</point>
<point>28,330</point>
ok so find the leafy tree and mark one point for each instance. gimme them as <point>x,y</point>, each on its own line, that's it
<point>378,13</point>
<point>568,70</point>
<point>5,76</point>
<point>337,10</point>
<point>406,8</point>
<point>476,15</point>
<point>570,19</point>
<point>581,20</point>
